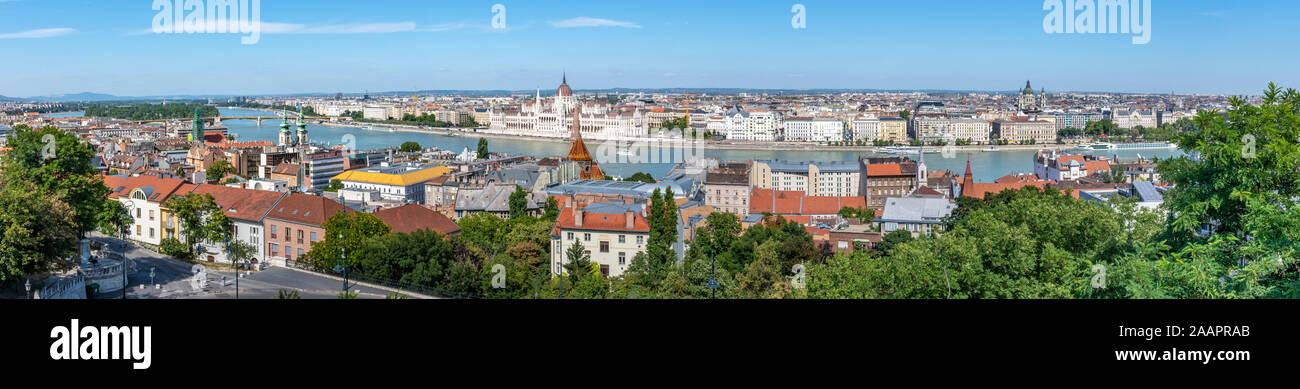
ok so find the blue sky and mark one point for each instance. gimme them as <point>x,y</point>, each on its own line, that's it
<point>70,46</point>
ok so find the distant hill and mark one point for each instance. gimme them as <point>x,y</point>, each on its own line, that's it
<point>83,96</point>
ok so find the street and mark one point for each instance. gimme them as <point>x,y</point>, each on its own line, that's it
<point>174,278</point>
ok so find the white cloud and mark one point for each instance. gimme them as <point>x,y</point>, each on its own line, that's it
<point>352,28</point>
<point>583,21</point>
<point>41,33</point>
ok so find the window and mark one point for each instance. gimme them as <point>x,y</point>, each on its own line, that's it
<point>139,230</point>
<point>604,246</point>
<point>586,237</point>
<point>299,253</point>
<point>273,228</point>
<point>622,239</point>
<point>639,238</point>
<point>150,215</point>
<point>570,236</point>
<point>288,234</point>
<point>150,232</point>
<point>275,249</point>
<point>313,236</point>
<point>622,258</point>
<point>137,212</point>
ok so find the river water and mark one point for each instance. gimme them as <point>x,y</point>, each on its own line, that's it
<point>986,166</point>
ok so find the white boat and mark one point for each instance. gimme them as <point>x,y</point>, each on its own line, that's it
<point>989,149</point>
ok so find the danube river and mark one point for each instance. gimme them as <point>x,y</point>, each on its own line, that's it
<point>986,166</point>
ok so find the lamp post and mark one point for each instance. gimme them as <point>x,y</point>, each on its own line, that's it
<point>234,264</point>
<point>343,264</point>
<point>713,282</point>
<point>125,231</point>
<point>27,286</point>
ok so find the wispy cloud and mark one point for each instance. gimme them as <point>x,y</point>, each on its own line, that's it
<point>583,21</point>
<point>41,33</point>
<point>352,28</point>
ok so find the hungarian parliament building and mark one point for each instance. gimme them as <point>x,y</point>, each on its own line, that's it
<point>553,117</point>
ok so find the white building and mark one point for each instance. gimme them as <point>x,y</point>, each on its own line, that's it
<point>866,128</point>
<point>397,183</point>
<point>752,125</point>
<point>1131,119</point>
<point>611,234</point>
<point>931,129</point>
<point>813,129</point>
<point>553,118</point>
<point>812,178</point>
<point>375,112</point>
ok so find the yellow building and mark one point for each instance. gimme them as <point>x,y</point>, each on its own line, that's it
<point>893,129</point>
<point>404,183</point>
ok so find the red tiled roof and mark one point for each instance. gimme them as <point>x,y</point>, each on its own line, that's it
<point>884,169</point>
<point>980,190</point>
<point>240,203</point>
<point>602,221</point>
<point>1064,160</point>
<point>162,188</point>
<point>412,217</point>
<point>1095,167</point>
<point>305,209</point>
<point>925,190</point>
<point>796,203</point>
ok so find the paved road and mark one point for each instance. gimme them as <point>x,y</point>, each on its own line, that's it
<point>174,279</point>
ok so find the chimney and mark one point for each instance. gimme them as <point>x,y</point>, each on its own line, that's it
<point>577,217</point>
<point>630,219</point>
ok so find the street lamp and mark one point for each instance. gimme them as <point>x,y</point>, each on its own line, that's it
<point>342,266</point>
<point>234,264</point>
<point>713,282</point>
<point>126,230</point>
<point>27,286</point>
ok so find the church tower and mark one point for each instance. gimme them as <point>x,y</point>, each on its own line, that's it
<point>302,131</point>
<point>286,137</point>
<point>578,152</point>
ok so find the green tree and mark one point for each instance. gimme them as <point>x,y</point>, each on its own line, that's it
<point>518,203</point>
<point>201,220</point>
<point>893,239</point>
<point>345,233</point>
<point>38,230</point>
<point>482,148</point>
<point>1234,217</point>
<point>333,186</point>
<point>409,147</point>
<point>485,233</point>
<point>577,262</point>
<point>61,168</point>
<point>219,170</point>
<point>641,177</point>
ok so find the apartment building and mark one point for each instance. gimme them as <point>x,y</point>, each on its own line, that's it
<point>811,178</point>
<point>1020,129</point>
<point>892,129</point>
<point>931,129</point>
<point>294,223</point>
<point>726,188</point>
<point>807,129</point>
<point>611,234</point>
<point>884,177</point>
<point>752,125</point>
<point>866,128</point>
